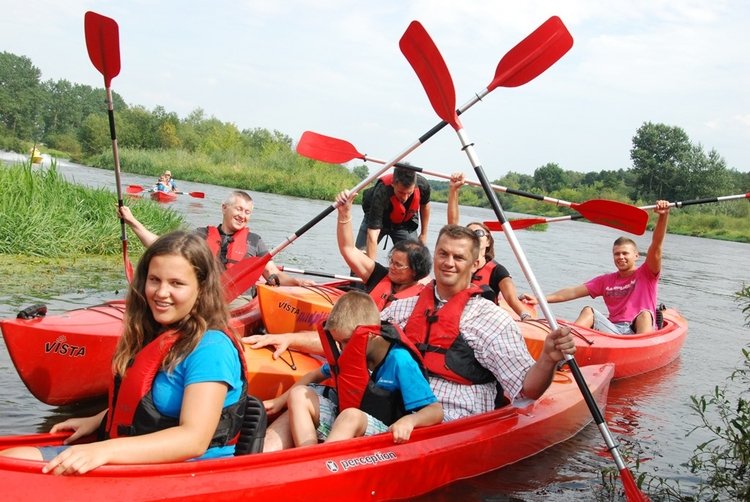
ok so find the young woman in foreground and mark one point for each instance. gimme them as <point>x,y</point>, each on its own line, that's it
<point>176,331</point>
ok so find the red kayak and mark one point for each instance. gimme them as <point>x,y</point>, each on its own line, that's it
<point>632,354</point>
<point>369,468</point>
<point>66,358</point>
<point>159,196</point>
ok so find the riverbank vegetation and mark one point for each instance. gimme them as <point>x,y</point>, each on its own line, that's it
<point>65,119</point>
<point>56,236</point>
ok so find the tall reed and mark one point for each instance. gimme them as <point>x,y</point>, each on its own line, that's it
<point>42,214</point>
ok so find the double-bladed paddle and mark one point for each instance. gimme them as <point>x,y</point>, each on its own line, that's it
<point>529,222</point>
<point>135,189</point>
<point>103,45</point>
<point>285,268</point>
<point>529,58</point>
<point>433,73</point>
<point>604,212</point>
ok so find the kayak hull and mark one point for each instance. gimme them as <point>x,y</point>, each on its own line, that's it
<point>295,308</point>
<point>632,354</point>
<point>66,358</point>
<point>163,196</point>
<point>369,468</point>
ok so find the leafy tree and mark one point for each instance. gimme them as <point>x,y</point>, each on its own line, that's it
<point>550,177</point>
<point>94,134</point>
<point>20,95</point>
<point>658,150</point>
<point>702,175</point>
<point>361,172</point>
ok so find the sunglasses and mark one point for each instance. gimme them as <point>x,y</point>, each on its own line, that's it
<point>397,266</point>
<point>480,233</point>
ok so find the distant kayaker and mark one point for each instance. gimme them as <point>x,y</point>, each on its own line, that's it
<point>380,383</point>
<point>162,185</point>
<point>490,272</point>
<point>409,261</point>
<point>180,381</point>
<point>397,206</point>
<point>473,350</point>
<point>170,181</point>
<point>230,241</point>
<point>630,293</point>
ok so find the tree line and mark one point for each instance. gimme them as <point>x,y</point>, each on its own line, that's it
<point>71,118</point>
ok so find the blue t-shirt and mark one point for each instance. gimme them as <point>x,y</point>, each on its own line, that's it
<point>214,359</point>
<point>399,371</point>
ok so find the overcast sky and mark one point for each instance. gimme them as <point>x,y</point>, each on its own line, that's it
<point>334,67</point>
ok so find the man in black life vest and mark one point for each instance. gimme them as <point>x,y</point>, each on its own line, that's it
<point>397,206</point>
<point>231,241</point>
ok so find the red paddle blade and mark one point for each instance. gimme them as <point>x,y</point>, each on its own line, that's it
<point>428,64</point>
<point>614,214</point>
<point>326,148</point>
<point>134,189</point>
<point>197,195</point>
<point>533,55</point>
<point>103,45</point>
<point>493,226</point>
<point>520,224</point>
<point>632,492</point>
<point>243,275</point>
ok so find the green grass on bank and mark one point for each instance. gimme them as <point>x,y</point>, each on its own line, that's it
<point>43,215</point>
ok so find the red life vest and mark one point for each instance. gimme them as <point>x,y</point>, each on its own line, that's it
<point>400,214</point>
<point>436,334</point>
<point>355,384</point>
<point>482,279</point>
<point>132,411</point>
<point>383,293</point>
<point>236,248</point>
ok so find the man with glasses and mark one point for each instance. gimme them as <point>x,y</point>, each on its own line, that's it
<point>397,206</point>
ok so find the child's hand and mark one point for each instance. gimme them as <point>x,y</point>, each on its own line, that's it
<point>275,405</point>
<point>401,429</point>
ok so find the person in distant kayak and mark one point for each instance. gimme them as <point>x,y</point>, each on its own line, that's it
<point>180,382</point>
<point>230,241</point>
<point>396,206</point>
<point>170,181</point>
<point>380,383</point>
<point>162,185</point>
<point>490,273</point>
<point>630,293</point>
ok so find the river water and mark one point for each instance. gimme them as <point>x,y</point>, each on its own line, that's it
<point>651,412</point>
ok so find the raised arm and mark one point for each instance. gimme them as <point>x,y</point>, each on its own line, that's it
<point>360,264</point>
<point>146,236</point>
<point>653,257</point>
<point>456,182</point>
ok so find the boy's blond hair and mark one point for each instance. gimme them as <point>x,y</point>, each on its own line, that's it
<point>353,309</point>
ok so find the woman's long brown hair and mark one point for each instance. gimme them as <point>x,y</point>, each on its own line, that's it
<point>209,312</point>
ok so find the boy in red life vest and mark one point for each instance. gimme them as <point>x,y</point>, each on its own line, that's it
<point>380,383</point>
